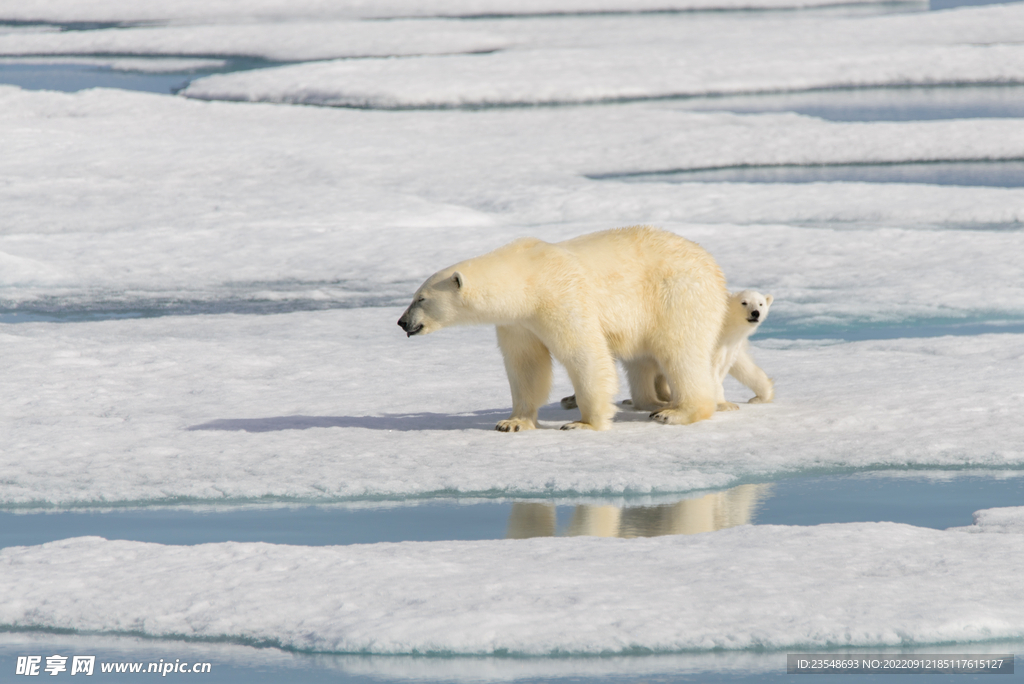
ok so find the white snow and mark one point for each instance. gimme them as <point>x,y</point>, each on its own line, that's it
<point>864,584</point>
<point>1004,520</point>
<point>650,58</point>
<point>210,201</point>
<point>285,41</point>
<point>225,11</point>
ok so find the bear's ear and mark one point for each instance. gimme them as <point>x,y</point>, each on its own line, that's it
<point>458,280</point>
<point>768,299</point>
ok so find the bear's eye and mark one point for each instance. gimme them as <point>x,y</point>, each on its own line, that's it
<point>421,299</point>
<point>743,303</point>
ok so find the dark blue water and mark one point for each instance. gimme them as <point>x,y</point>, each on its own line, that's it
<point>877,104</point>
<point>71,78</point>
<point>984,173</point>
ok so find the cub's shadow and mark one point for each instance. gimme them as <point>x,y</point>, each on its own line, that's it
<point>405,422</point>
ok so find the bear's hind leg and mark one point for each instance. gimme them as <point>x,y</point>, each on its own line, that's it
<point>528,365</point>
<point>687,368</point>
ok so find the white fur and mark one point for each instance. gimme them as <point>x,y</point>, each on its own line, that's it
<point>645,296</point>
<point>747,311</point>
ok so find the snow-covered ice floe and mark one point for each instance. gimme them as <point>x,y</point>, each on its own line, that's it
<point>1005,520</point>
<point>213,201</point>
<point>226,11</point>
<point>858,584</point>
<point>654,59</point>
<point>284,41</point>
<point>340,406</point>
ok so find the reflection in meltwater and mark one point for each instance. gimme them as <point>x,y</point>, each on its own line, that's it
<point>708,513</point>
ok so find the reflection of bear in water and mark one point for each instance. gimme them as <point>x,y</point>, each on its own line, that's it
<point>647,297</point>
<point>708,513</point>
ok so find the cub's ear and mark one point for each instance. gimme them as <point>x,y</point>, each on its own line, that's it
<point>768,299</point>
<point>458,280</point>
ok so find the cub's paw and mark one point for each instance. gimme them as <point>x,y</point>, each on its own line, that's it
<point>515,425</point>
<point>728,406</point>
<point>569,402</point>
<point>760,400</point>
<point>578,425</point>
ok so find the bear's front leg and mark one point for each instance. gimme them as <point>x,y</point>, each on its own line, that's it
<point>528,365</point>
<point>746,371</point>
<point>592,372</point>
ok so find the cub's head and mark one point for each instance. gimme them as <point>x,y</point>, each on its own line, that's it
<point>435,305</point>
<point>751,306</point>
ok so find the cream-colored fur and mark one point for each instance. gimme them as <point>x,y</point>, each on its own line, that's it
<point>747,310</point>
<point>645,296</point>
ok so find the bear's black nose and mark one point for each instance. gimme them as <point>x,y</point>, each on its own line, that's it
<point>755,314</point>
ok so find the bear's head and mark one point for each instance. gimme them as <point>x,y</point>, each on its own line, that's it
<point>751,306</point>
<point>438,303</point>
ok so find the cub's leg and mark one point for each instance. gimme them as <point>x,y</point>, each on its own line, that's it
<point>645,395</point>
<point>644,376</point>
<point>746,371</point>
<point>721,362</point>
<point>528,365</point>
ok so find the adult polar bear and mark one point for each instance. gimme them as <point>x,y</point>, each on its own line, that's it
<point>645,296</point>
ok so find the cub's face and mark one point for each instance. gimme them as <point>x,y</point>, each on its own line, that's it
<point>435,305</point>
<point>752,305</point>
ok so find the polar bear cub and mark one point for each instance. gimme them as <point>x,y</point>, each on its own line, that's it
<point>747,310</point>
<point>641,295</point>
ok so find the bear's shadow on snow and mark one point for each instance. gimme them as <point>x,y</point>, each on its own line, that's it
<point>406,422</point>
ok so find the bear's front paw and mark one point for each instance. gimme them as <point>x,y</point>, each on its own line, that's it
<point>728,406</point>
<point>569,402</point>
<point>578,425</point>
<point>514,425</point>
<point>760,400</point>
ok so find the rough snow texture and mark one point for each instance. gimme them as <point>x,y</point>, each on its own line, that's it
<point>216,202</point>
<point>866,584</point>
<point>284,41</point>
<point>61,11</point>
<point>650,58</point>
<point>1003,520</point>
